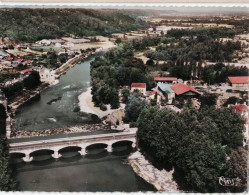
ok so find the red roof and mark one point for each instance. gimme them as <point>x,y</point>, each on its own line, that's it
<point>15,45</point>
<point>29,61</point>
<point>9,58</point>
<point>19,59</point>
<point>26,70</point>
<point>181,88</point>
<point>153,92</point>
<point>239,80</point>
<point>241,108</point>
<point>165,79</point>
<point>138,85</point>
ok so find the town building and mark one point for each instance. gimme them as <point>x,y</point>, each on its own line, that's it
<point>154,95</point>
<point>167,92</point>
<point>141,87</point>
<point>239,81</point>
<point>181,89</point>
<point>47,74</point>
<point>170,80</point>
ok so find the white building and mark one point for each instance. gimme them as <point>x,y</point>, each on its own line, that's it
<point>47,74</point>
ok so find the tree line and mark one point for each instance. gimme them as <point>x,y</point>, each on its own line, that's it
<point>30,25</point>
<point>197,49</point>
<point>7,181</point>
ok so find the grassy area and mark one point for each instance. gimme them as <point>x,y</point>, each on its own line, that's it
<point>46,49</point>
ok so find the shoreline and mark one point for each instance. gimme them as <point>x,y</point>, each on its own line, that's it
<point>162,180</point>
<point>87,106</point>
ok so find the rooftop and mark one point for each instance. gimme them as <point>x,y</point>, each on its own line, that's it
<point>181,88</point>
<point>239,80</point>
<point>165,79</point>
<point>241,108</point>
<point>139,85</point>
<point>165,88</point>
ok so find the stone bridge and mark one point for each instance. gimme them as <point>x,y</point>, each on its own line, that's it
<point>81,142</point>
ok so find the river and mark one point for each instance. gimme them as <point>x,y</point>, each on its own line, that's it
<point>62,112</point>
<point>97,171</point>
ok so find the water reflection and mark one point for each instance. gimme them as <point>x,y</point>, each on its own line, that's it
<point>96,171</point>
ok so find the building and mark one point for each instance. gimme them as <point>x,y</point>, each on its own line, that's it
<point>26,71</point>
<point>165,79</point>
<point>240,81</point>
<point>182,89</point>
<point>167,92</point>
<point>47,74</point>
<point>141,87</point>
<point>154,95</point>
<point>75,41</point>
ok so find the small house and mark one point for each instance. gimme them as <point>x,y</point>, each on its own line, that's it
<point>141,87</point>
<point>167,92</point>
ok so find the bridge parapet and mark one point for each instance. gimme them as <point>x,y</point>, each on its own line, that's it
<point>82,142</point>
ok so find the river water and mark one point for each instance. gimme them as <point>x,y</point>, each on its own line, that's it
<point>97,171</point>
<point>62,112</point>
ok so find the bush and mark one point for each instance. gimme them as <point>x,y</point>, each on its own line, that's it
<point>102,107</point>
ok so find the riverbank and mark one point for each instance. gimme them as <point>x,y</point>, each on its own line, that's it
<point>86,105</point>
<point>162,180</point>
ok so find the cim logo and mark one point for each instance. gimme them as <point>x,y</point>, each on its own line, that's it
<point>228,181</point>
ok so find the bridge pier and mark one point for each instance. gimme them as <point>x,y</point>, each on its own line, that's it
<point>109,148</point>
<point>83,151</point>
<point>27,158</point>
<point>56,154</point>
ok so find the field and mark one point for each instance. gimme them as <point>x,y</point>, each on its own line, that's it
<point>25,52</point>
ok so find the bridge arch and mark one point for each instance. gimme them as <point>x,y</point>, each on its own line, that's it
<point>41,151</point>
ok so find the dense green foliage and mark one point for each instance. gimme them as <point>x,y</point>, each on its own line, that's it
<point>205,33</point>
<point>238,162</point>
<point>36,24</point>
<point>133,107</point>
<point>197,49</point>
<point>219,72</point>
<point>2,120</point>
<point>12,90</point>
<point>7,183</point>
<point>32,81</point>
<point>195,143</point>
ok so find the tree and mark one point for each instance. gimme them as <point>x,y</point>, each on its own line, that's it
<point>32,81</point>
<point>133,107</point>
<point>3,117</point>
<point>201,161</point>
<point>238,168</point>
<point>229,123</point>
<point>150,62</point>
<point>7,183</point>
<point>125,93</point>
<point>160,133</point>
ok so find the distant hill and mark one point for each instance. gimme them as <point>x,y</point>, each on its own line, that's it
<point>35,24</point>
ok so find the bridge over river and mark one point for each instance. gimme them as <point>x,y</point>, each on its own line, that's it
<point>80,142</point>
